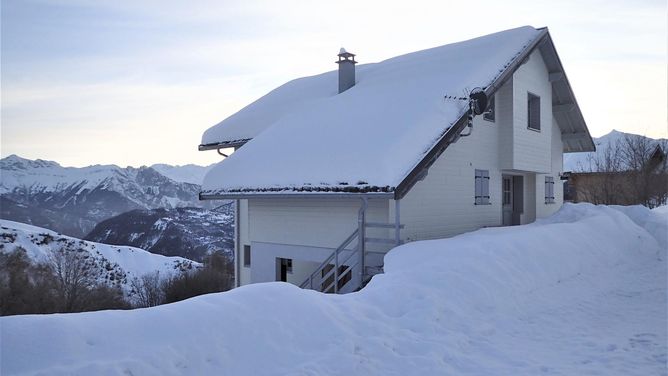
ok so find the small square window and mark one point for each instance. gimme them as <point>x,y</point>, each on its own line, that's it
<point>533,106</point>
<point>247,255</point>
<point>490,113</point>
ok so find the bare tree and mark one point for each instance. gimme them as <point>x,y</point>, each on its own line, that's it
<point>74,272</point>
<point>148,290</point>
<point>630,172</point>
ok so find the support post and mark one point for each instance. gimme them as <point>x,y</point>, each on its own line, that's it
<point>397,223</point>
<point>361,236</point>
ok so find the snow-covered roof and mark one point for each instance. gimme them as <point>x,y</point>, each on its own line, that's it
<point>307,138</point>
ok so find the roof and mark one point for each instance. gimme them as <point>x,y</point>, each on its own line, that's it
<point>378,136</point>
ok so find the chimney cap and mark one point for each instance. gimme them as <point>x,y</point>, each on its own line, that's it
<point>346,56</point>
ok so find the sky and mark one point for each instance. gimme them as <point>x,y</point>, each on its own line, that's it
<point>138,82</point>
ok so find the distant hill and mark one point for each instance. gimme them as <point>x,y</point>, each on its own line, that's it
<point>187,232</point>
<point>114,266</point>
<point>581,161</point>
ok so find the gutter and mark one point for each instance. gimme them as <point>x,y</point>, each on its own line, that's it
<point>223,145</point>
<point>301,195</point>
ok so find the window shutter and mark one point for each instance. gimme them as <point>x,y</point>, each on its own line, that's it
<point>481,187</point>
<point>485,187</point>
<point>549,189</point>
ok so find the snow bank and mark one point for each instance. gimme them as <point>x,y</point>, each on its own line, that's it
<point>583,292</point>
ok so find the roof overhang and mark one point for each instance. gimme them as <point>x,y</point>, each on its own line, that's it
<point>565,109</point>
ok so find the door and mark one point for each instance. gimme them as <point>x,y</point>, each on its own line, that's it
<point>283,267</point>
<point>507,200</point>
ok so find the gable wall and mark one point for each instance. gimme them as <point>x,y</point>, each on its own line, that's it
<point>529,146</point>
<point>442,204</point>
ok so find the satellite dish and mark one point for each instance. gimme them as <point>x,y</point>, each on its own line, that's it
<point>479,100</point>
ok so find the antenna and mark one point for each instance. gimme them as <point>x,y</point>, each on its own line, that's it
<point>477,105</point>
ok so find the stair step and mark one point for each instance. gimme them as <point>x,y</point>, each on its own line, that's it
<point>380,240</point>
<point>373,270</point>
<point>382,225</point>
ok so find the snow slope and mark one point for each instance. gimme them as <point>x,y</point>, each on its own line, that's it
<point>580,293</point>
<point>117,265</point>
<point>368,137</point>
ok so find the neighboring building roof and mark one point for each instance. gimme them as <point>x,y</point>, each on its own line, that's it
<point>378,136</point>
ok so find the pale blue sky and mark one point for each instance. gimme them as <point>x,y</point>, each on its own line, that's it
<point>137,82</point>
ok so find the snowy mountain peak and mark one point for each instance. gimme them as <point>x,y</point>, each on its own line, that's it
<point>73,200</point>
<point>14,162</point>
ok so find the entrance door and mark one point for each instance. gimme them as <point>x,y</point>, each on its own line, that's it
<point>507,200</point>
<point>283,267</point>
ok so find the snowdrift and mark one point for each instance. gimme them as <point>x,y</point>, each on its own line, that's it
<point>582,292</point>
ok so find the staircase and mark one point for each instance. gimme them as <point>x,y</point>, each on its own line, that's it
<point>347,268</point>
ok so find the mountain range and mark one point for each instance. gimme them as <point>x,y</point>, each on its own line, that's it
<point>187,232</point>
<point>74,200</point>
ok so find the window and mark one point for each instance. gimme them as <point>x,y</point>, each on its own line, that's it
<point>482,187</point>
<point>507,191</point>
<point>247,255</point>
<point>490,113</point>
<point>533,105</point>
<point>549,190</point>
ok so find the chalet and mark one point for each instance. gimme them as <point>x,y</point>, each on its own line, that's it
<point>330,172</point>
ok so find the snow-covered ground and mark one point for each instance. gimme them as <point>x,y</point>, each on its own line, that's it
<point>116,265</point>
<point>582,292</point>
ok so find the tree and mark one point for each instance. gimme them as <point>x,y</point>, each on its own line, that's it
<point>216,275</point>
<point>73,270</point>
<point>630,172</point>
<point>148,290</point>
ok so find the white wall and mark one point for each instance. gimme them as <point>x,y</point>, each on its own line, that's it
<point>531,148</point>
<point>543,209</point>
<point>314,226</point>
<point>443,204</point>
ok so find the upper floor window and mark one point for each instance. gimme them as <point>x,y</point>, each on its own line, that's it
<point>490,113</point>
<point>482,187</point>
<point>533,105</point>
<point>549,190</point>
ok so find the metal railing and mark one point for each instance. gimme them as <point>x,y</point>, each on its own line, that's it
<point>336,270</point>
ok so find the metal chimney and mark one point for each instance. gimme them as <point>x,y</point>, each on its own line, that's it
<point>346,70</point>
